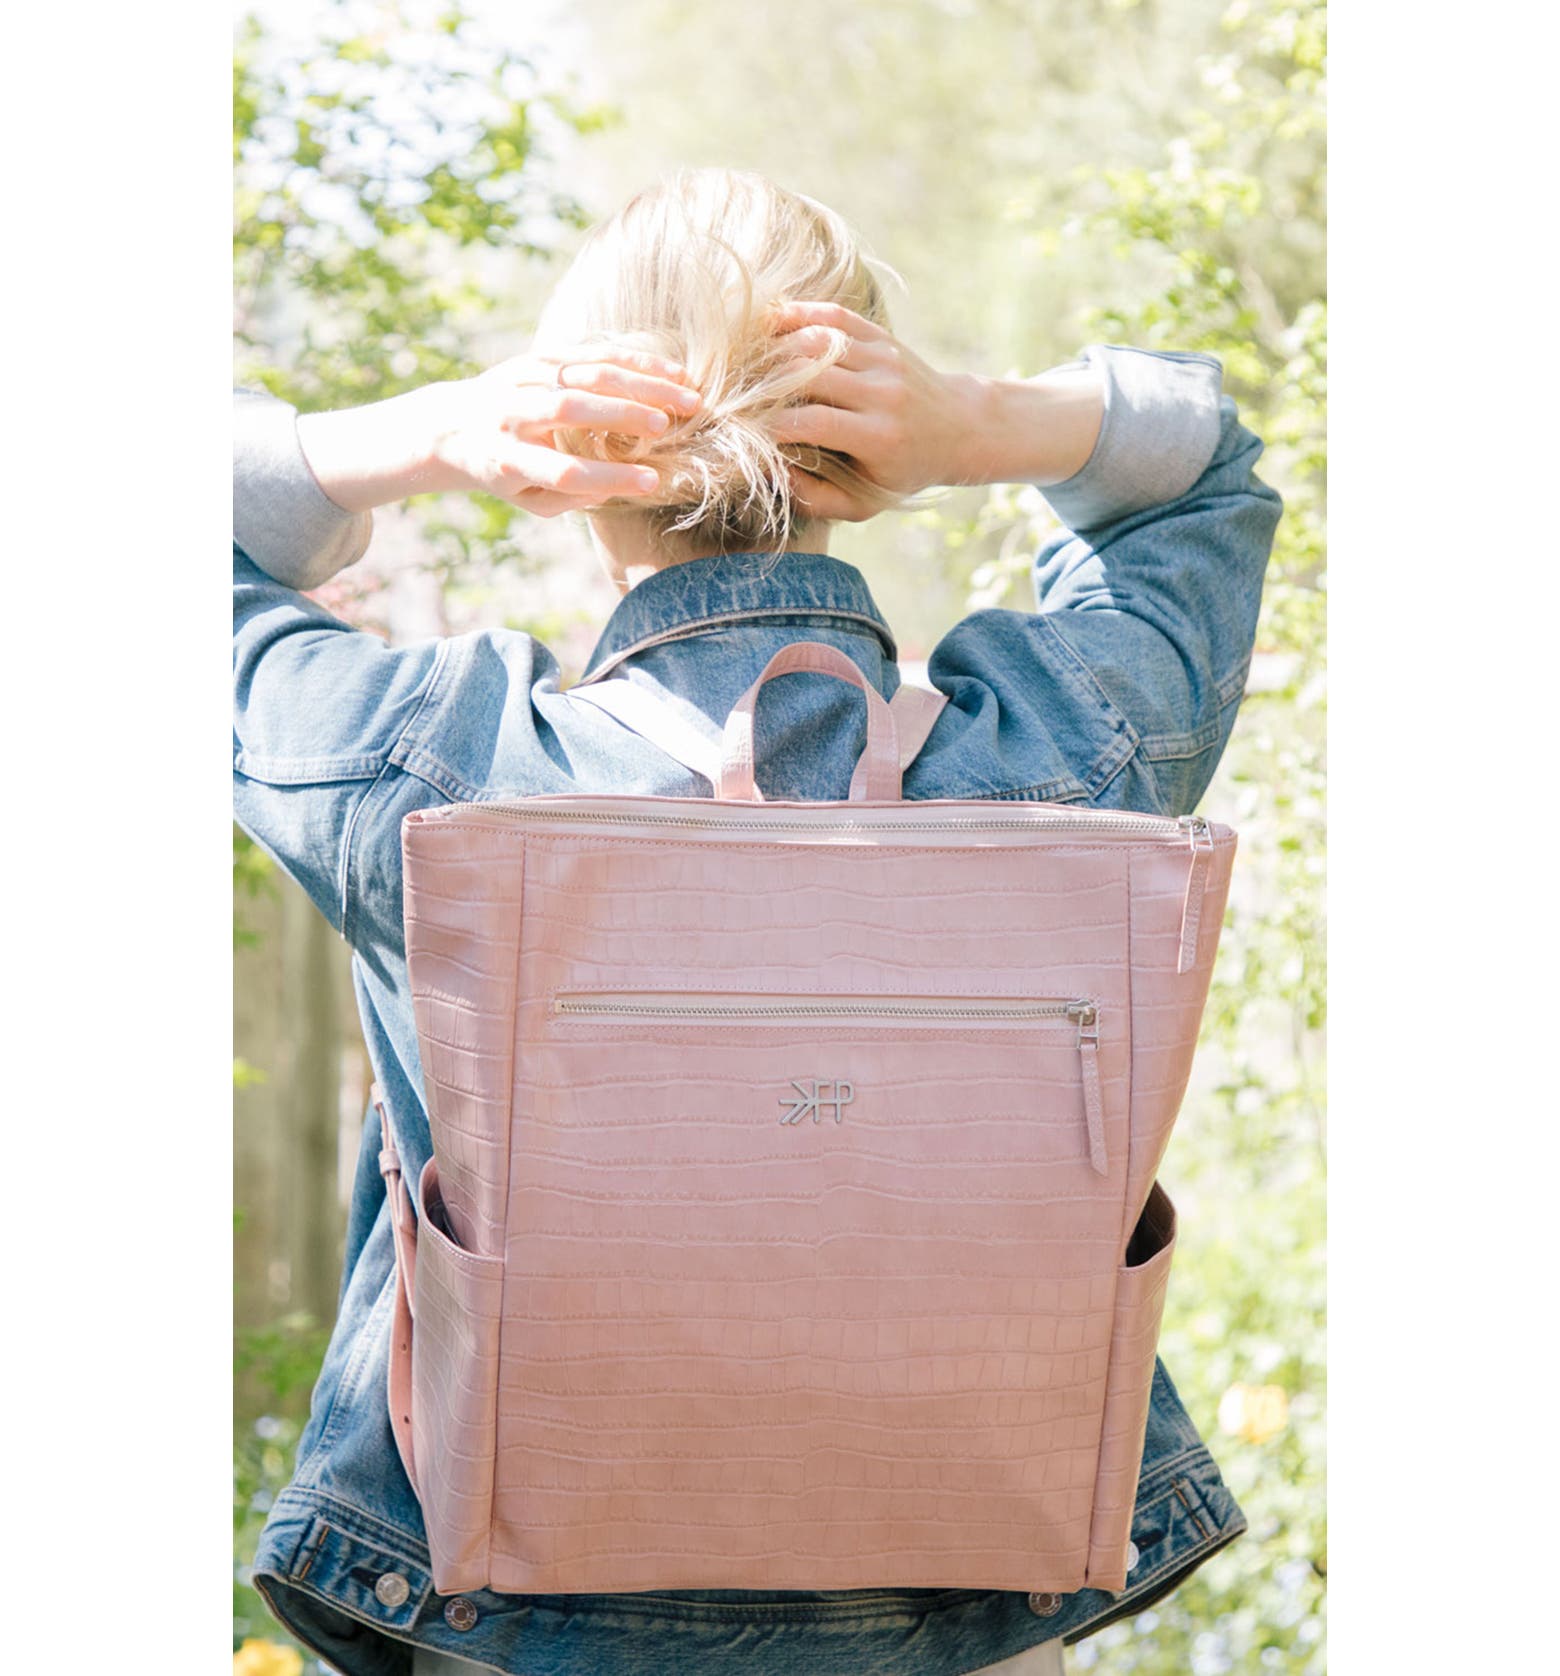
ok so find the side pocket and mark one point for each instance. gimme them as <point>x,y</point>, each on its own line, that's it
<point>455,1324</point>
<point>1140,1304</point>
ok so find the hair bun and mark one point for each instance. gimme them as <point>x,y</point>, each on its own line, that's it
<point>693,268</point>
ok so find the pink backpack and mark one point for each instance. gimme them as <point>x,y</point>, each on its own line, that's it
<point>792,1219</point>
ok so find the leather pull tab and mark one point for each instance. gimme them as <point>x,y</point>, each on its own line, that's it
<point>1093,1099</point>
<point>1196,883</point>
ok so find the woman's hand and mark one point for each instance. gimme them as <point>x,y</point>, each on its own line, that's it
<point>901,422</point>
<point>493,434</point>
<point>908,427</point>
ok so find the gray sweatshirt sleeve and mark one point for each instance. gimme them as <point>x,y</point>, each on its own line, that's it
<point>282,518</point>
<point>1160,430</point>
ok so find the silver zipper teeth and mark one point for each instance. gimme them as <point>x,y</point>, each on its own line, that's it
<point>1193,825</point>
<point>824,1009</point>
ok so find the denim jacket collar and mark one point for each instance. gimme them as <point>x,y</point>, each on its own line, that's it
<point>704,594</point>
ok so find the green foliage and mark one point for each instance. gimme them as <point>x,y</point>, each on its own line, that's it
<point>254,874</point>
<point>1230,219</point>
<point>246,1075</point>
<point>278,1364</point>
<point>387,176</point>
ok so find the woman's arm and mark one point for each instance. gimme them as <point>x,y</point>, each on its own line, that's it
<point>1133,664</point>
<point>909,427</point>
<point>283,521</point>
<point>304,486</point>
<point>492,434</point>
<point>1122,686</point>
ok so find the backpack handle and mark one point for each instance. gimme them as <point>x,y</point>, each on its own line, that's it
<point>877,772</point>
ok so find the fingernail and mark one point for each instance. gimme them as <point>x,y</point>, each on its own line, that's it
<point>688,400</point>
<point>649,479</point>
<point>659,422</point>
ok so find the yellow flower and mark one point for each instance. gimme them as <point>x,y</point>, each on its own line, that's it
<point>1254,1412</point>
<point>258,1657</point>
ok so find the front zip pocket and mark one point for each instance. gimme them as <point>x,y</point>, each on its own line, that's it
<point>915,1011</point>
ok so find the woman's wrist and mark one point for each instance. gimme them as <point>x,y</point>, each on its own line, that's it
<point>369,456</point>
<point>1033,430</point>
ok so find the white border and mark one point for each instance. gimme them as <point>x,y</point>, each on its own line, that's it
<point>117,935</point>
<point>1442,1163</point>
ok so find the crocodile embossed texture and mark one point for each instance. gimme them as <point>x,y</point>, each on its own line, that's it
<point>463,934</point>
<point>817,1302</point>
<point>455,1325</point>
<point>1167,1006</point>
<point>1140,1301</point>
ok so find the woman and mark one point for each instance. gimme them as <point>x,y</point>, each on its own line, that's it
<point>714,384</point>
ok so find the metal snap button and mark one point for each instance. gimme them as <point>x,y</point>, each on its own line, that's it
<point>392,1589</point>
<point>1045,1606</point>
<point>1132,1556</point>
<point>460,1613</point>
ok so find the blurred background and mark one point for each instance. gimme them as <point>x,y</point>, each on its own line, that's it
<point>1039,174</point>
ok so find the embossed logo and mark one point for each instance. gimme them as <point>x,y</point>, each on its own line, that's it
<point>812,1095</point>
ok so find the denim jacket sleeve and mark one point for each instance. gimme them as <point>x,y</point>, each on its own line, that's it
<point>1129,672</point>
<point>317,705</point>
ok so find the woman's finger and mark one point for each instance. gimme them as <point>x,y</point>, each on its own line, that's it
<point>836,387</point>
<point>812,342</point>
<point>604,378</point>
<point>592,480</point>
<point>548,503</point>
<point>579,410</point>
<point>657,366</point>
<point>790,316</point>
<point>532,367</point>
<point>825,500</point>
<point>826,427</point>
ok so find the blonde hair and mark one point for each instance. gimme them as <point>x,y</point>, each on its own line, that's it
<point>691,269</point>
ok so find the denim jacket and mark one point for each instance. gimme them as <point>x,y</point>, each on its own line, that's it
<point>1119,690</point>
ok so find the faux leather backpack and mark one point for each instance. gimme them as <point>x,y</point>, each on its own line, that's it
<point>792,1219</point>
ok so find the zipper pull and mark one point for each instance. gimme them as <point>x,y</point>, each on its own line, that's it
<point>1088,1017</point>
<point>1201,837</point>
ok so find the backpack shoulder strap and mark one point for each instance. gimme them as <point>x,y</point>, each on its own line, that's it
<point>653,718</point>
<point>642,711</point>
<point>915,711</point>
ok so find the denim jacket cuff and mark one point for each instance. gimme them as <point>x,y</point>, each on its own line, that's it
<point>1160,430</point>
<point>282,518</point>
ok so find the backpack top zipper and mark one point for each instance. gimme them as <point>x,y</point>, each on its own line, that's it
<point>829,817</point>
